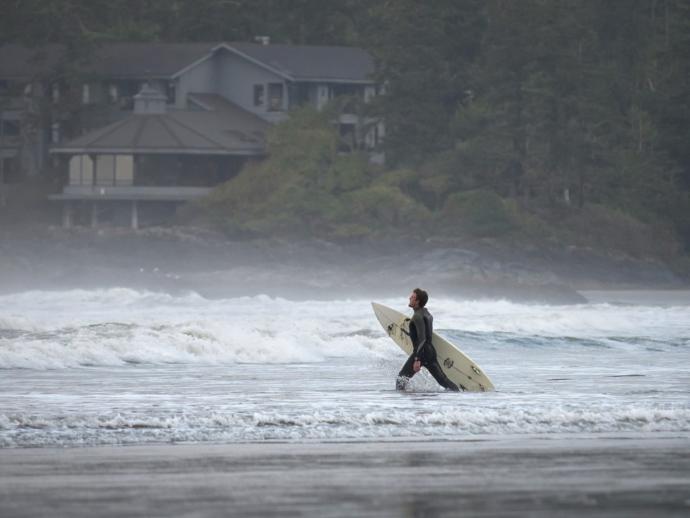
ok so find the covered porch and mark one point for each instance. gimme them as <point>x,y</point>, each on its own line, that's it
<point>109,186</point>
<point>111,203</point>
<point>155,159</point>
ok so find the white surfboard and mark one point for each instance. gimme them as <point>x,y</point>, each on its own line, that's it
<point>459,367</point>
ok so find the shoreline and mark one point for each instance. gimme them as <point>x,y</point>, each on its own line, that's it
<point>510,477</point>
<point>466,443</point>
<point>184,259</point>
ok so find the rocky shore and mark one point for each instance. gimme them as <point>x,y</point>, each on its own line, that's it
<point>192,259</point>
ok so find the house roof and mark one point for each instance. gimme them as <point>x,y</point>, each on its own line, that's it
<point>310,62</point>
<point>20,62</point>
<point>230,131</point>
<point>167,60</point>
<point>155,60</point>
<point>120,60</point>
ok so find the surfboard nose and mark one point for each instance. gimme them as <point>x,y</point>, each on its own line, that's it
<point>380,312</point>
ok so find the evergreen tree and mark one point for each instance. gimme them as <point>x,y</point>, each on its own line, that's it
<point>425,53</point>
<point>556,104</point>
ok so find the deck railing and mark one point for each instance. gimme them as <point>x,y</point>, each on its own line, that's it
<point>107,192</point>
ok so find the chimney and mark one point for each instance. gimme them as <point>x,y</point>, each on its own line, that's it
<point>149,101</point>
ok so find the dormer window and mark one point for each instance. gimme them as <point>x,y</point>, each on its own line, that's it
<point>149,101</point>
<point>275,97</point>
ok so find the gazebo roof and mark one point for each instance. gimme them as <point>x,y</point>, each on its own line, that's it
<point>227,131</point>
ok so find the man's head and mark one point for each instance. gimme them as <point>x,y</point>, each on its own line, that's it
<point>418,298</point>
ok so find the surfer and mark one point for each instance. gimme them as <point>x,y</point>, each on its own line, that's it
<point>423,354</point>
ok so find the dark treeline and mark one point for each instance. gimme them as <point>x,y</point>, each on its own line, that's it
<point>554,106</point>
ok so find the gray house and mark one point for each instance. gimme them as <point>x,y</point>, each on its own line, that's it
<point>164,123</point>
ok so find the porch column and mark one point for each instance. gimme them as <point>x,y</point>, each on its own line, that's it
<point>135,215</point>
<point>67,215</point>
<point>94,214</point>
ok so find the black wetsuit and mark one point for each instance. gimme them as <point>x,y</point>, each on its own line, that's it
<point>421,330</point>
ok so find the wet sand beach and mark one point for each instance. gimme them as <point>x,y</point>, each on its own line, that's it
<point>510,476</point>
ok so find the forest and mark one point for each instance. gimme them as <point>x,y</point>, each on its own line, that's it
<point>533,121</point>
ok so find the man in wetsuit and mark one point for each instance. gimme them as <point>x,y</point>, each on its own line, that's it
<point>423,354</point>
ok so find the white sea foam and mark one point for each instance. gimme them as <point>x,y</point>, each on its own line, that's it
<point>156,367</point>
<point>114,428</point>
<point>118,326</point>
<point>582,321</point>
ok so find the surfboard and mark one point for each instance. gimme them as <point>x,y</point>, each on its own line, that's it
<point>459,367</point>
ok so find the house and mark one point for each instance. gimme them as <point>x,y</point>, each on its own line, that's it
<point>24,132</point>
<point>162,123</point>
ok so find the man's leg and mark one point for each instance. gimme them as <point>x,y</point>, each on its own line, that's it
<point>435,370</point>
<point>405,374</point>
<point>431,364</point>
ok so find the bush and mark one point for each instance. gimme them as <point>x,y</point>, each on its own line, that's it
<point>478,213</point>
<point>612,229</point>
<point>305,187</point>
<point>383,207</point>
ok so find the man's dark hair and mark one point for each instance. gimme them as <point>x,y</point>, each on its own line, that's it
<point>422,296</point>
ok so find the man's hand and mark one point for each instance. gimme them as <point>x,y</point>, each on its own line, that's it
<point>416,365</point>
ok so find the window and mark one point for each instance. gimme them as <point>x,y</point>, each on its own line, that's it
<point>105,170</point>
<point>258,95</point>
<point>171,92</point>
<point>55,93</point>
<point>369,93</point>
<point>110,170</point>
<point>349,91</point>
<point>339,90</point>
<point>299,94</point>
<point>80,170</point>
<point>113,94</point>
<point>128,88</point>
<point>124,170</point>
<point>275,97</point>
<point>9,128</point>
<point>9,170</point>
<point>348,138</point>
<point>55,132</point>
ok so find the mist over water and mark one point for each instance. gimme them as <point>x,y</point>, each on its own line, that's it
<point>121,366</point>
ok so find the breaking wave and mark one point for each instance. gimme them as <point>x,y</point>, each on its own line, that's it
<point>54,330</point>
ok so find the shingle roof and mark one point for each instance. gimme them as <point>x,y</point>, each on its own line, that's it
<point>311,63</point>
<point>147,59</point>
<point>164,60</point>
<point>19,62</point>
<point>120,60</point>
<point>232,131</point>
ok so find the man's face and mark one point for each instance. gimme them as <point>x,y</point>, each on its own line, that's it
<point>413,301</point>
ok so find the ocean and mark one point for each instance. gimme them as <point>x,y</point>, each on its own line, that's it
<point>126,367</point>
